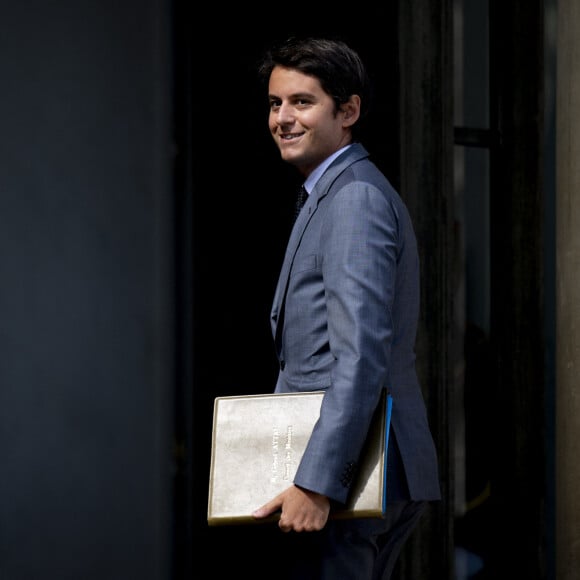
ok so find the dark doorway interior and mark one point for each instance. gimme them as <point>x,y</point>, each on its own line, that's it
<point>241,205</point>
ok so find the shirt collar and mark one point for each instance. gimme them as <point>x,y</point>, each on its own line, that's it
<point>313,178</point>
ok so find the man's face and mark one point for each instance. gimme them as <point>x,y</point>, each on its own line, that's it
<point>303,120</point>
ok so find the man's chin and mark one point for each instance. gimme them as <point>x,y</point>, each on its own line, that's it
<point>292,156</point>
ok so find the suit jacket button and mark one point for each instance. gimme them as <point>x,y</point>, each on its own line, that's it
<point>282,365</point>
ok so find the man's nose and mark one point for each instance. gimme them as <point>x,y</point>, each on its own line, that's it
<point>285,114</point>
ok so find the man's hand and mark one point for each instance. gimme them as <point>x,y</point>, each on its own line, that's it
<point>301,510</point>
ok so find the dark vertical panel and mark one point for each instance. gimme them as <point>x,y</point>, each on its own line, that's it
<point>183,121</point>
<point>518,436</point>
<point>86,332</point>
<point>426,143</point>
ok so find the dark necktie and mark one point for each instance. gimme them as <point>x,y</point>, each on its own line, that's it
<point>300,201</point>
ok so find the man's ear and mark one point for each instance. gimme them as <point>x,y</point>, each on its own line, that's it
<point>351,111</point>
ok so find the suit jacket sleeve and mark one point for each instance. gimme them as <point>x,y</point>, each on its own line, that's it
<point>358,252</point>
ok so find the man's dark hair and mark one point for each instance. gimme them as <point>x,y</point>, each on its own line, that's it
<point>338,68</point>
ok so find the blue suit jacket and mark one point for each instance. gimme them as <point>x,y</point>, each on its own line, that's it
<point>344,319</point>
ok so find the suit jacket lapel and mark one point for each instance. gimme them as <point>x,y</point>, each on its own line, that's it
<point>320,190</point>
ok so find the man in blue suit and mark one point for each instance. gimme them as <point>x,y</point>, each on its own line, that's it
<point>344,319</point>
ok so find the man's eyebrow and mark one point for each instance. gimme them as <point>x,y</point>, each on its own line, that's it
<point>303,96</point>
<point>293,96</point>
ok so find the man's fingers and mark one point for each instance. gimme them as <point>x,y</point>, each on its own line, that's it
<point>267,509</point>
